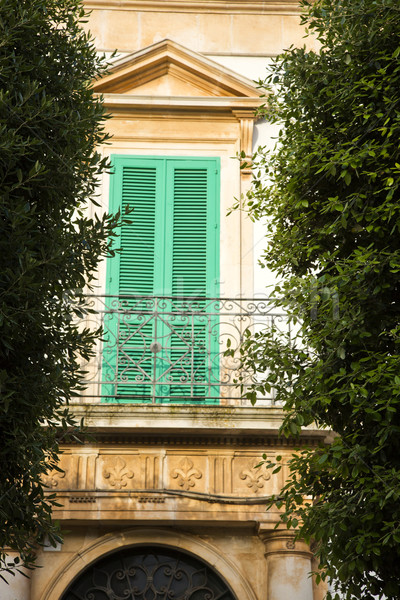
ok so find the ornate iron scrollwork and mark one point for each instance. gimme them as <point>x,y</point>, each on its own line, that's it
<point>169,349</point>
<point>148,573</point>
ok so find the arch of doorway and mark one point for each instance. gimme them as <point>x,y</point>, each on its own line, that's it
<point>148,536</point>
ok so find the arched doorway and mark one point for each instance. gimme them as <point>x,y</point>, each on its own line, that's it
<point>149,573</point>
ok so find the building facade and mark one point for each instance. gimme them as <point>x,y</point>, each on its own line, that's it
<point>168,498</point>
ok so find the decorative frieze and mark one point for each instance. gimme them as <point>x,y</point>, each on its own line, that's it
<point>218,471</point>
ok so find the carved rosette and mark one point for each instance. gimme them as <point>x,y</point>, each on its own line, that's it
<point>291,544</point>
<point>117,474</point>
<point>254,476</point>
<point>186,474</point>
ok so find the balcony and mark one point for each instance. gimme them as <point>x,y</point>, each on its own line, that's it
<point>165,350</point>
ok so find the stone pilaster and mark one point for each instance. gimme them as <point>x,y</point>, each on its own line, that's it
<point>288,566</point>
<point>246,119</point>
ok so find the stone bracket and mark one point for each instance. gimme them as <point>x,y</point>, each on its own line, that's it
<point>246,119</point>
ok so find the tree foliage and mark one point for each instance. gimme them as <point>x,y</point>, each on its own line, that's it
<point>50,124</point>
<point>331,192</point>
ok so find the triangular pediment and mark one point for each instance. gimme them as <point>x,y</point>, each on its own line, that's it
<point>169,69</point>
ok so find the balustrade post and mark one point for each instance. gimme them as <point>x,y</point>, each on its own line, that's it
<point>155,345</point>
<point>288,565</point>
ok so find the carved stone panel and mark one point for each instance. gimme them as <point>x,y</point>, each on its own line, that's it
<point>64,479</point>
<point>116,471</point>
<point>249,477</point>
<point>53,478</point>
<point>186,472</point>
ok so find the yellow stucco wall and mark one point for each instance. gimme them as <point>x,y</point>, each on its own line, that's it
<point>242,28</point>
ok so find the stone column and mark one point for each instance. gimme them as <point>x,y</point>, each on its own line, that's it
<point>288,566</point>
<point>321,589</point>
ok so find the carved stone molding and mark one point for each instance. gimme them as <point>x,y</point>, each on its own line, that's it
<point>61,576</point>
<point>255,477</point>
<point>117,474</point>
<point>186,474</point>
<point>261,7</point>
<point>82,499</point>
<point>151,499</point>
<point>228,441</point>
<point>282,542</point>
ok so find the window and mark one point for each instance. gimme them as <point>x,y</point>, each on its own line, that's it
<point>160,345</point>
<point>149,573</point>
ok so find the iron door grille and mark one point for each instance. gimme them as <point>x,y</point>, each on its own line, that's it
<point>144,573</point>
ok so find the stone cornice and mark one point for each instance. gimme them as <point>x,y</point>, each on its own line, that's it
<point>118,102</point>
<point>184,422</point>
<point>195,440</point>
<point>210,6</point>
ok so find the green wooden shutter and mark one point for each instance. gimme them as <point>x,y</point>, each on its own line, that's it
<point>170,249</point>
<point>193,269</point>
<point>133,271</point>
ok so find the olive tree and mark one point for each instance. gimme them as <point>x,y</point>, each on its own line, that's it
<point>331,193</point>
<point>50,125</point>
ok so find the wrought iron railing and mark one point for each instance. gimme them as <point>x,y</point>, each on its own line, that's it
<point>173,350</point>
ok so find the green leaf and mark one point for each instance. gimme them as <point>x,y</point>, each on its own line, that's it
<point>341,352</point>
<point>323,459</point>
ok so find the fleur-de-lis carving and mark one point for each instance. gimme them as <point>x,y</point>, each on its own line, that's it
<point>186,474</point>
<point>118,474</point>
<point>255,476</point>
<point>52,479</point>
